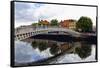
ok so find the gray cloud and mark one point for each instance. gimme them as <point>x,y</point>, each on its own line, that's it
<point>24,12</point>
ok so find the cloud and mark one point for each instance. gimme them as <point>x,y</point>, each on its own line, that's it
<point>32,12</point>
<point>24,12</point>
<point>62,12</point>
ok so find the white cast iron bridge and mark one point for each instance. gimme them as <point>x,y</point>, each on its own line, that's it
<point>27,32</point>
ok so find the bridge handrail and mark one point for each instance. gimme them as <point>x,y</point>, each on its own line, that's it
<point>48,29</point>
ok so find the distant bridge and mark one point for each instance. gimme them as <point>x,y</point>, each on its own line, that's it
<point>27,32</point>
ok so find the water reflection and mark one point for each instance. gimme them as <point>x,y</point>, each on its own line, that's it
<point>83,51</point>
<point>25,53</point>
<point>31,50</point>
<point>55,47</point>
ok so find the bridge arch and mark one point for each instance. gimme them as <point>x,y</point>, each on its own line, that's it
<point>23,33</point>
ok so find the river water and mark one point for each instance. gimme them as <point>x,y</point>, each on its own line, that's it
<point>34,50</point>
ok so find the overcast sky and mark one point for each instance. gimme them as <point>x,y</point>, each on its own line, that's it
<point>28,13</point>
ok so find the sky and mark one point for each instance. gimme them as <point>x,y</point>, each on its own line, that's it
<point>28,13</point>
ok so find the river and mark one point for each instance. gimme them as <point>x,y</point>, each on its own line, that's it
<point>31,50</point>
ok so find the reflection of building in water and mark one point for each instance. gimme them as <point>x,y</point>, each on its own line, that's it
<point>73,50</point>
<point>55,47</point>
<point>60,50</point>
<point>65,46</point>
<point>82,49</point>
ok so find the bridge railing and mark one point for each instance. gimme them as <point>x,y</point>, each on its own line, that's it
<point>28,32</point>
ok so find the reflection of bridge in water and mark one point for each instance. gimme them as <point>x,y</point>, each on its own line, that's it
<point>55,57</point>
<point>24,33</point>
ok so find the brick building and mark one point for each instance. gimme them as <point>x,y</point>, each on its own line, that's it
<point>70,24</point>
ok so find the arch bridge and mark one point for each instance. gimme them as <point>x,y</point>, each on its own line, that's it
<point>24,33</point>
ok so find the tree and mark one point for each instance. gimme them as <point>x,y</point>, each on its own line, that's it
<point>84,24</point>
<point>39,24</point>
<point>54,22</point>
<point>34,24</point>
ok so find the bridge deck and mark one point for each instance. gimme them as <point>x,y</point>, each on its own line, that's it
<point>28,32</point>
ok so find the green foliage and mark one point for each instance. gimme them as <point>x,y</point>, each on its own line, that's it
<point>84,51</point>
<point>54,49</point>
<point>34,44</point>
<point>42,46</point>
<point>54,22</point>
<point>85,24</point>
<point>34,24</point>
<point>39,24</point>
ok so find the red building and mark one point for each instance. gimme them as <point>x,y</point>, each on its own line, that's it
<point>70,24</point>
